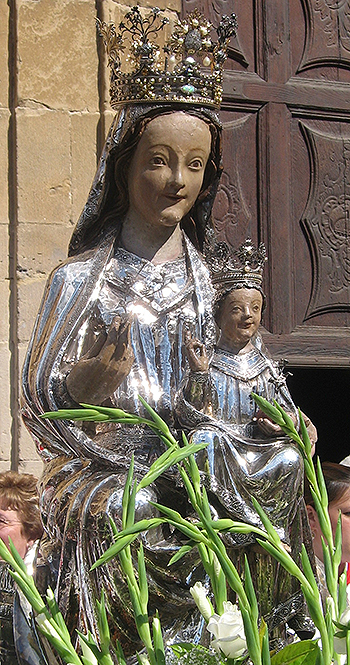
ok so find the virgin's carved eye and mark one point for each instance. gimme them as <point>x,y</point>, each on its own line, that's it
<point>158,160</point>
<point>196,164</point>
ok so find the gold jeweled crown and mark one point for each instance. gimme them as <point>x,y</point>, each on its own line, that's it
<point>235,269</point>
<point>189,70</point>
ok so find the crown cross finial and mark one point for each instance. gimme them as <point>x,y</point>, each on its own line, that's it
<point>188,71</point>
<point>235,269</point>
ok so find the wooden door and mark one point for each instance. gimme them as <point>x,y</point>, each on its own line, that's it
<point>286,115</point>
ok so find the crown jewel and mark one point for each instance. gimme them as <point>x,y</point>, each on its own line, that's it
<point>236,269</point>
<point>188,71</point>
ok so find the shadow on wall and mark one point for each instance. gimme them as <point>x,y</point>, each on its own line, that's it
<point>324,395</point>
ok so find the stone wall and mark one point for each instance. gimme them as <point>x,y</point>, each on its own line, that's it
<point>54,114</point>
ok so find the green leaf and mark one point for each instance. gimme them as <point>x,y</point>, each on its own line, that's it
<point>163,427</point>
<point>304,434</point>
<point>322,484</point>
<point>271,531</point>
<point>120,653</point>
<point>250,591</point>
<point>108,411</point>
<point>74,414</point>
<point>165,461</point>
<point>113,550</point>
<point>182,551</point>
<point>265,648</point>
<point>270,410</point>
<point>199,653</point>
<point>289,424</point>
<point>158,640</point>
<point>143,584</point>
<point>306,652</point>
<point>56,614</point>
<point>105,637</point>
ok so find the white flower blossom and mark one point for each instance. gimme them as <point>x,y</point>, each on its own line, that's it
<point>340,642</point>
<point>228,631</point>
<point>199,593</point>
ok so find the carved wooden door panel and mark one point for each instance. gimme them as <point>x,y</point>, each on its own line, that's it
<point>286,115</point>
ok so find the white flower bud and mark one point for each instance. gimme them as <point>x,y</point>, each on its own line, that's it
<point>199,594</point>
<point>228,631</point>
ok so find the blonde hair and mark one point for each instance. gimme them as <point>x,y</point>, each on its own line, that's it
<point>18,491</point>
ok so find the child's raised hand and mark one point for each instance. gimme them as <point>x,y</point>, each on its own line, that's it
<point>196,354</point>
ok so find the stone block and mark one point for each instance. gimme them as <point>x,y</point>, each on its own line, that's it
<point>83,151</point>
<point>4,318</point>
<point>4,249</point>
<point>30,292</point>
<point>22,352</point>
<point>31,466</point>
<point>119,8</point>
<point>29,460</point>
<point>4,125</point>
<point>61,71</point>
<point>44,177</point>
<point>5,421</point>
<point>41,247</point>
<point>4,24</point>
<point>27,449</point>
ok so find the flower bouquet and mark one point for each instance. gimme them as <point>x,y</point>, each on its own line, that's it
<point>237,633</point>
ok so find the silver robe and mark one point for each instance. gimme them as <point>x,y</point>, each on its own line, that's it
<point>242,462</point>
<point>86,466</point>
<point>239,462</point>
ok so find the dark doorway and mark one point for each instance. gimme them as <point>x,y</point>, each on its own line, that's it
<point>323,394</point>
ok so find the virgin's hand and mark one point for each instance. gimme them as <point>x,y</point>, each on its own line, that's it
<point>196,354</point>
<point>98,374</point>
<point>268,427</point>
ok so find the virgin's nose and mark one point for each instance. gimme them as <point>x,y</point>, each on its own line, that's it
<point>177,177</point>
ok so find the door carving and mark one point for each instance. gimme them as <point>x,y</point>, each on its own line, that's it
<point>286,116</point>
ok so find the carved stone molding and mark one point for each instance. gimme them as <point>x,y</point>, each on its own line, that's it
<point>326,220</point>
<point>327,39</point>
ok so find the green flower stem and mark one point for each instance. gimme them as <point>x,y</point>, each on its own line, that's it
<point>319,493</point>
<point>49,619</point>
<point>206,536</point>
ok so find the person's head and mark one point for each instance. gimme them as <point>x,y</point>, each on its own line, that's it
<point>109,201</point>
<point>337,479</point>
<point>19,510</point>
<point>238,316</point>
<point>166,173</point>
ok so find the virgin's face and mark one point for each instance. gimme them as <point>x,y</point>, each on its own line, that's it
<point>239,317</point>
<point>166,172</point>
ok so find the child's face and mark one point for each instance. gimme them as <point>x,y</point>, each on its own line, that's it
<point>240,316</point>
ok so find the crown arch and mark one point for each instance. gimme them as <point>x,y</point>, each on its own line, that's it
<point>286,167</point>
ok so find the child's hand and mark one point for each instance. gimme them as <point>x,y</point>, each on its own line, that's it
<point>196,354</point>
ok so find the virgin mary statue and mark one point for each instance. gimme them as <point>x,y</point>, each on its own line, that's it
<point>113,318</point>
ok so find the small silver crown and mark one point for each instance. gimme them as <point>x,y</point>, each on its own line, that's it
<point>188,71</point>
<point>233,269</point>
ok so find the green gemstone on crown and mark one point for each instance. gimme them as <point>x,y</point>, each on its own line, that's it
<point>188,89</point>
